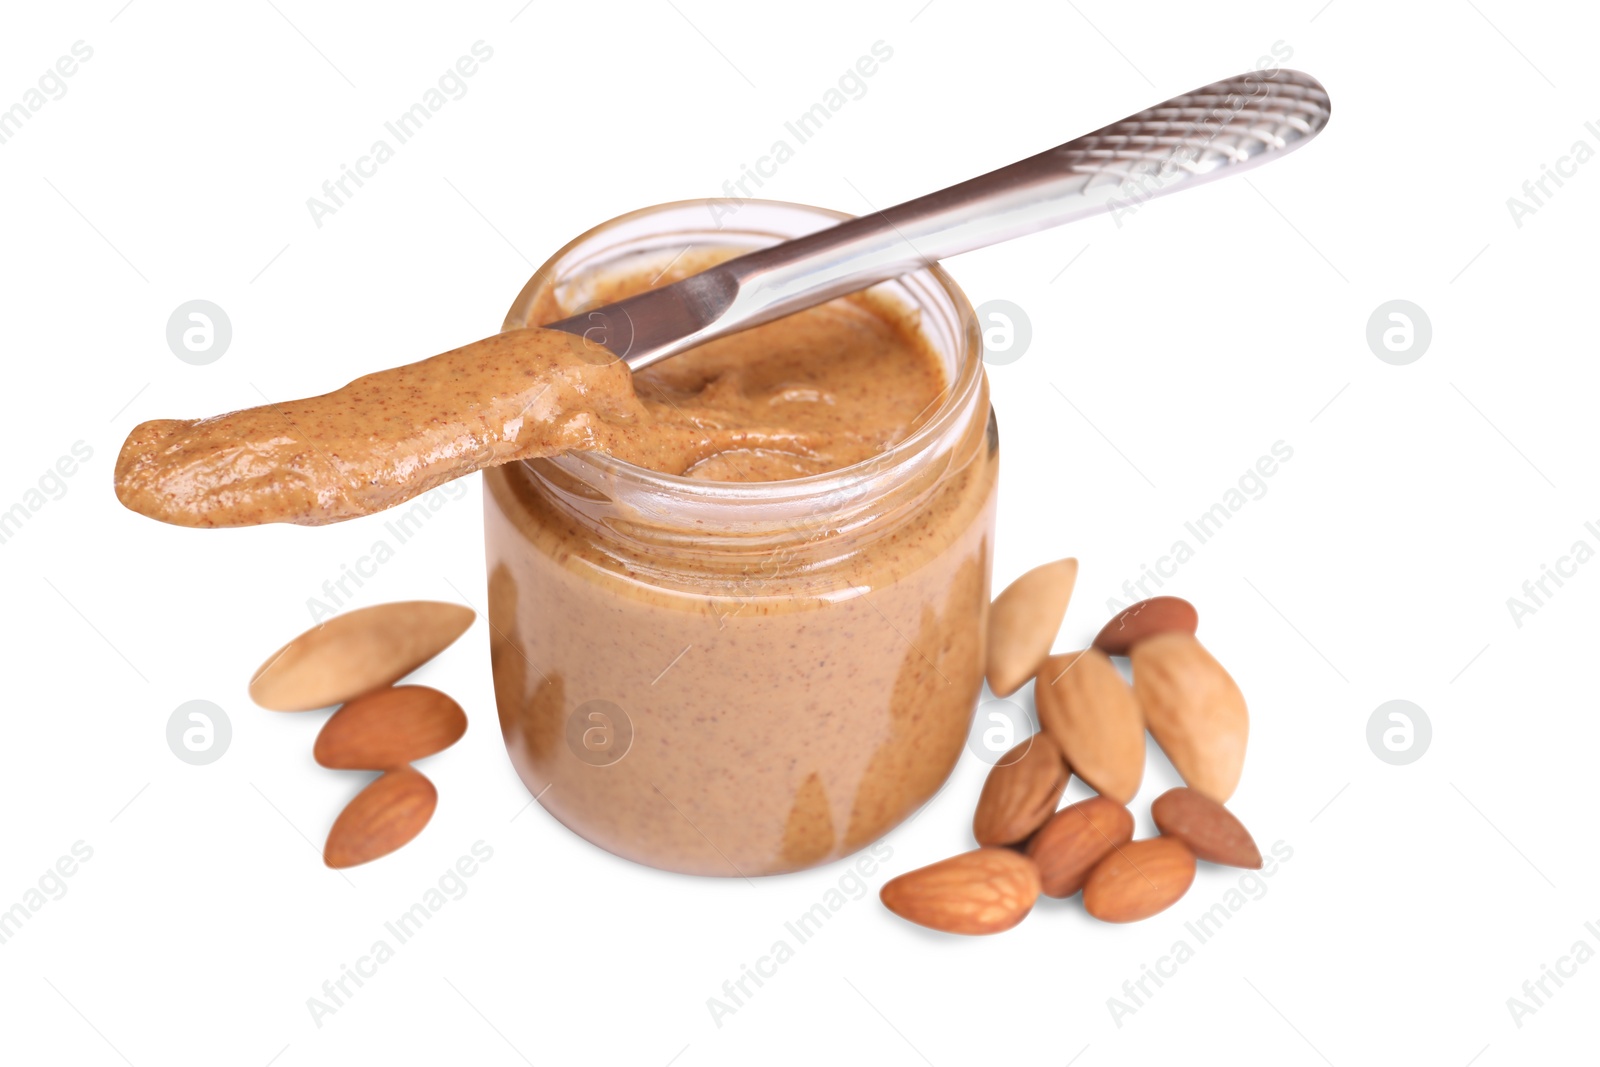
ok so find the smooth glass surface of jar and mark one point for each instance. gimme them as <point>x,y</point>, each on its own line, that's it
<point>742,678</point>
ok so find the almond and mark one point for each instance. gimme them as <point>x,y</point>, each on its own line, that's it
<point>1194,710</point>
<point>389,728</point>
<point>357,652</point>
<point>1091,713</point>
<point>1023,622</point>
<point>1158,615</point>
<point>382,817</point>
<point>979,892</point>
<point>1139,880</point>
<point>1021,792</point>
<point>1211,831</point>
<point>1076,838</point>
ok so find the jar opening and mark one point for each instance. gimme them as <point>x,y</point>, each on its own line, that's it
<point>941,311</point>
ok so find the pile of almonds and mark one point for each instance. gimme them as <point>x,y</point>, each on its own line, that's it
<point>354,660</point>
<point>1093,725</point>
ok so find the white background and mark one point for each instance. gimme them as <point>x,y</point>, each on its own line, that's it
<point>1171,353</point>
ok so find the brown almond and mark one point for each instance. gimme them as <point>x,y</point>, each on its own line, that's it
<point>1211,831</point>
<point>389,728</point>
<point>357,652</point>
<point>382,817</point>
<point>1139,880</point>
<point>1134,623</point>
<point>1024,621</point>
<point>1089,710</point>
<point>980,892</point>
<point>1076,838</point>
<point>1194,711</point>
<point>1021,792</point>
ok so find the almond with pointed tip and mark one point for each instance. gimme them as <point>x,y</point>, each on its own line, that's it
<point>389,728</point>
<point>1089,710</point>
<point>1134,623</point>
<point>1076,838</point>
<point>1212,832</point>
<point>1021,792</point>
<point>383,816</point>
<point>357,652</point>
<point>1194,710</point>
<point>1023,622</point>
<point>1138,880</point>
<point>983,891</point>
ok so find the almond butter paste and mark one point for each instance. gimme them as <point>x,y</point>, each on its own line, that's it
<point>780,685</point>
<point>709,692</point>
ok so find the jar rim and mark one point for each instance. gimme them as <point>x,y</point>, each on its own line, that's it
<point>962,386</point>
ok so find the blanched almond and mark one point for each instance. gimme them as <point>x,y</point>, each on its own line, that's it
<point>1139,880</point>
<point>357,652</point>
<point>389,728</point>
<point>979,892</point>
<point>1211,831</point>
<point>1024,621</point>
<point>1194,710</point>
<point>1021,792</point>
<point>1158,615</point>
<point>1092,714</point>
<point>382,817</point>
<point>1076,838</point>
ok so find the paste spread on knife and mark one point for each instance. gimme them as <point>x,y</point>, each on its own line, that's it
<point>815,391</point>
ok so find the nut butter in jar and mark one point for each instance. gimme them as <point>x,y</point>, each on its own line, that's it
<point>742,677</point>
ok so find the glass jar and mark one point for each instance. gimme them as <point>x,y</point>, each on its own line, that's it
<point>742,678</point>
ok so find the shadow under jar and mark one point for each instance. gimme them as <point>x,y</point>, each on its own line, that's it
<point>742,678</point>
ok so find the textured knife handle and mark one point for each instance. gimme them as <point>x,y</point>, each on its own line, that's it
<point>1220,129</point>
<point>1223,128</point>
